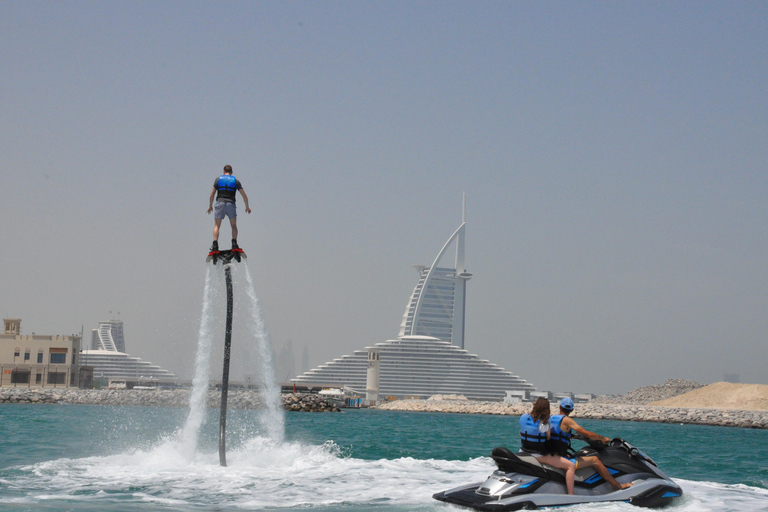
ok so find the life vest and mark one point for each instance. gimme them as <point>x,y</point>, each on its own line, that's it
<point>531,438</point>
<point>228,183</point>
<point>559,441</point>
<point>227,186</point>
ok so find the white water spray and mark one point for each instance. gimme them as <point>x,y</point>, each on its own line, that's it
<point>271,418</point>
<point>197,400</point>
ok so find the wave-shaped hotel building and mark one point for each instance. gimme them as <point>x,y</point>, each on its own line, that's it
<point>110,361</point>
<point>428,356</point>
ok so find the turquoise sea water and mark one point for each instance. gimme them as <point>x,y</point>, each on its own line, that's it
<point>68,457</point>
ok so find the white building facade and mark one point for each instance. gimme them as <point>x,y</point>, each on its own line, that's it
<point>418,366</point>
<point>35,360</point>
<point>109,360</point>
<point>109,364</point>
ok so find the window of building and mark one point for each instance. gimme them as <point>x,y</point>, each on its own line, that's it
<point>26,355</point>
<point>20,377</point>
<point>39,378</point>
<point>16,352</point>
<point>58,358</point>
<point>40,356</point>
<point>57,377</point>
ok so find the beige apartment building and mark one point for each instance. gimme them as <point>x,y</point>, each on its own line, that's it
<point>39,361</point>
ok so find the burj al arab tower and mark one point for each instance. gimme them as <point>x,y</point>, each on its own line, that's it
<point>436,308</point>
<point>428,357</point>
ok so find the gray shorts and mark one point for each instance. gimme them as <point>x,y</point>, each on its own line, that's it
<point>221,209</point>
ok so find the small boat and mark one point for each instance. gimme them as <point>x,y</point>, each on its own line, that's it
<point>334,395</point>
<point>146,384</point>
<point>117,384</point>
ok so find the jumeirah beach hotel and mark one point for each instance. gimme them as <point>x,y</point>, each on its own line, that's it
<point>428,357</point>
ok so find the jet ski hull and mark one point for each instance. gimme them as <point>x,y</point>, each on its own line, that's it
<point>521,483</point>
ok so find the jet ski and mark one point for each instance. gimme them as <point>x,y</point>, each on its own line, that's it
<point>522,483</point>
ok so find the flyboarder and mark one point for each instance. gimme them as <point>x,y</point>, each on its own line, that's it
<point>227,186</point>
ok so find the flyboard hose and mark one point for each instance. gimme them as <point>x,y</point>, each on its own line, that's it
<point>225,373</point>
<point>226,258</point>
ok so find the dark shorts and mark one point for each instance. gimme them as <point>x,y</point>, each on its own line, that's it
<point>222,209</point>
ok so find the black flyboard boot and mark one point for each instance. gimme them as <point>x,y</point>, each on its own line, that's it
<point>213,253</point>
<point>237,252</point>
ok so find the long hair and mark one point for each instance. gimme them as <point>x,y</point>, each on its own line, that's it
<point>541,410</point>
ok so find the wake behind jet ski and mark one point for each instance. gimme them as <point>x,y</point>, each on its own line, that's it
<point>523,483</point>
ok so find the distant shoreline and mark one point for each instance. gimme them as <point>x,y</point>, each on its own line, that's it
<point>722,404</point>
<point>236,399</point>
<point>245,399</point>
<point>619,412</point>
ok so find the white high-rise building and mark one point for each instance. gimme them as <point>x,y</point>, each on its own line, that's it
<point>109,336</point>
<point>436,307</point>
<point>428,356</point>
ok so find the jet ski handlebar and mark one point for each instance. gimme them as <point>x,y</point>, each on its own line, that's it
<point>616,442</point>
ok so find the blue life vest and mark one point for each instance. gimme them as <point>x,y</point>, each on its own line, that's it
<point>531,439</point>
<point>559,441</point>
<point>227,186</point>
<point>227,182</point>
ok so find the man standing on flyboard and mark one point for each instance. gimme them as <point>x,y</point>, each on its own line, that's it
<point>227,186</point>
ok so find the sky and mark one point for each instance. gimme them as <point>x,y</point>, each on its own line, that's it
<point>613,157</point>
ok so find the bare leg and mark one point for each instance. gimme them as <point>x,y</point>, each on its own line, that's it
<point>233,223</point>
<point>216,229</point>
<point>562,463</point>
<point>586,462</point>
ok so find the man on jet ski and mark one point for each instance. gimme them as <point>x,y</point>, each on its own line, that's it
<point>561,427</point>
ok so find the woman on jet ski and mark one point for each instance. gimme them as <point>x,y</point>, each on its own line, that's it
<point>534,434</point>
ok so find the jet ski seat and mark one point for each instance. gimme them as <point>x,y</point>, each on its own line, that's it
<point>522,462</point>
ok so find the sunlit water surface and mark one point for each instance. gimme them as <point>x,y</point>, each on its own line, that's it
<point>70,457</point>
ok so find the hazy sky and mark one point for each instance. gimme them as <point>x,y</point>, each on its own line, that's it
<point>614,157</point>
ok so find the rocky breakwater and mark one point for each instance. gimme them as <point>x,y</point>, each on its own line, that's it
<point>719,417</point>
<point>307,402</point>
<point>236,399</point>
<point>637,405</point>
<point>658,414</point>
<point>460,406</point>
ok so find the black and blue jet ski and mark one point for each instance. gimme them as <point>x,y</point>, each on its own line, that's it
<point>522,483</point>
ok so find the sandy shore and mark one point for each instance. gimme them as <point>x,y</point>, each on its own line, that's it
<point>722,395</point>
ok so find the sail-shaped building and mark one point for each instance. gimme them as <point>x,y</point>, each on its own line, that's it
<point>428,357</point>
<point>109,336</point>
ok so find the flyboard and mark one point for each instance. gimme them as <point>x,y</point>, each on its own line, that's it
<point>226,258</point>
